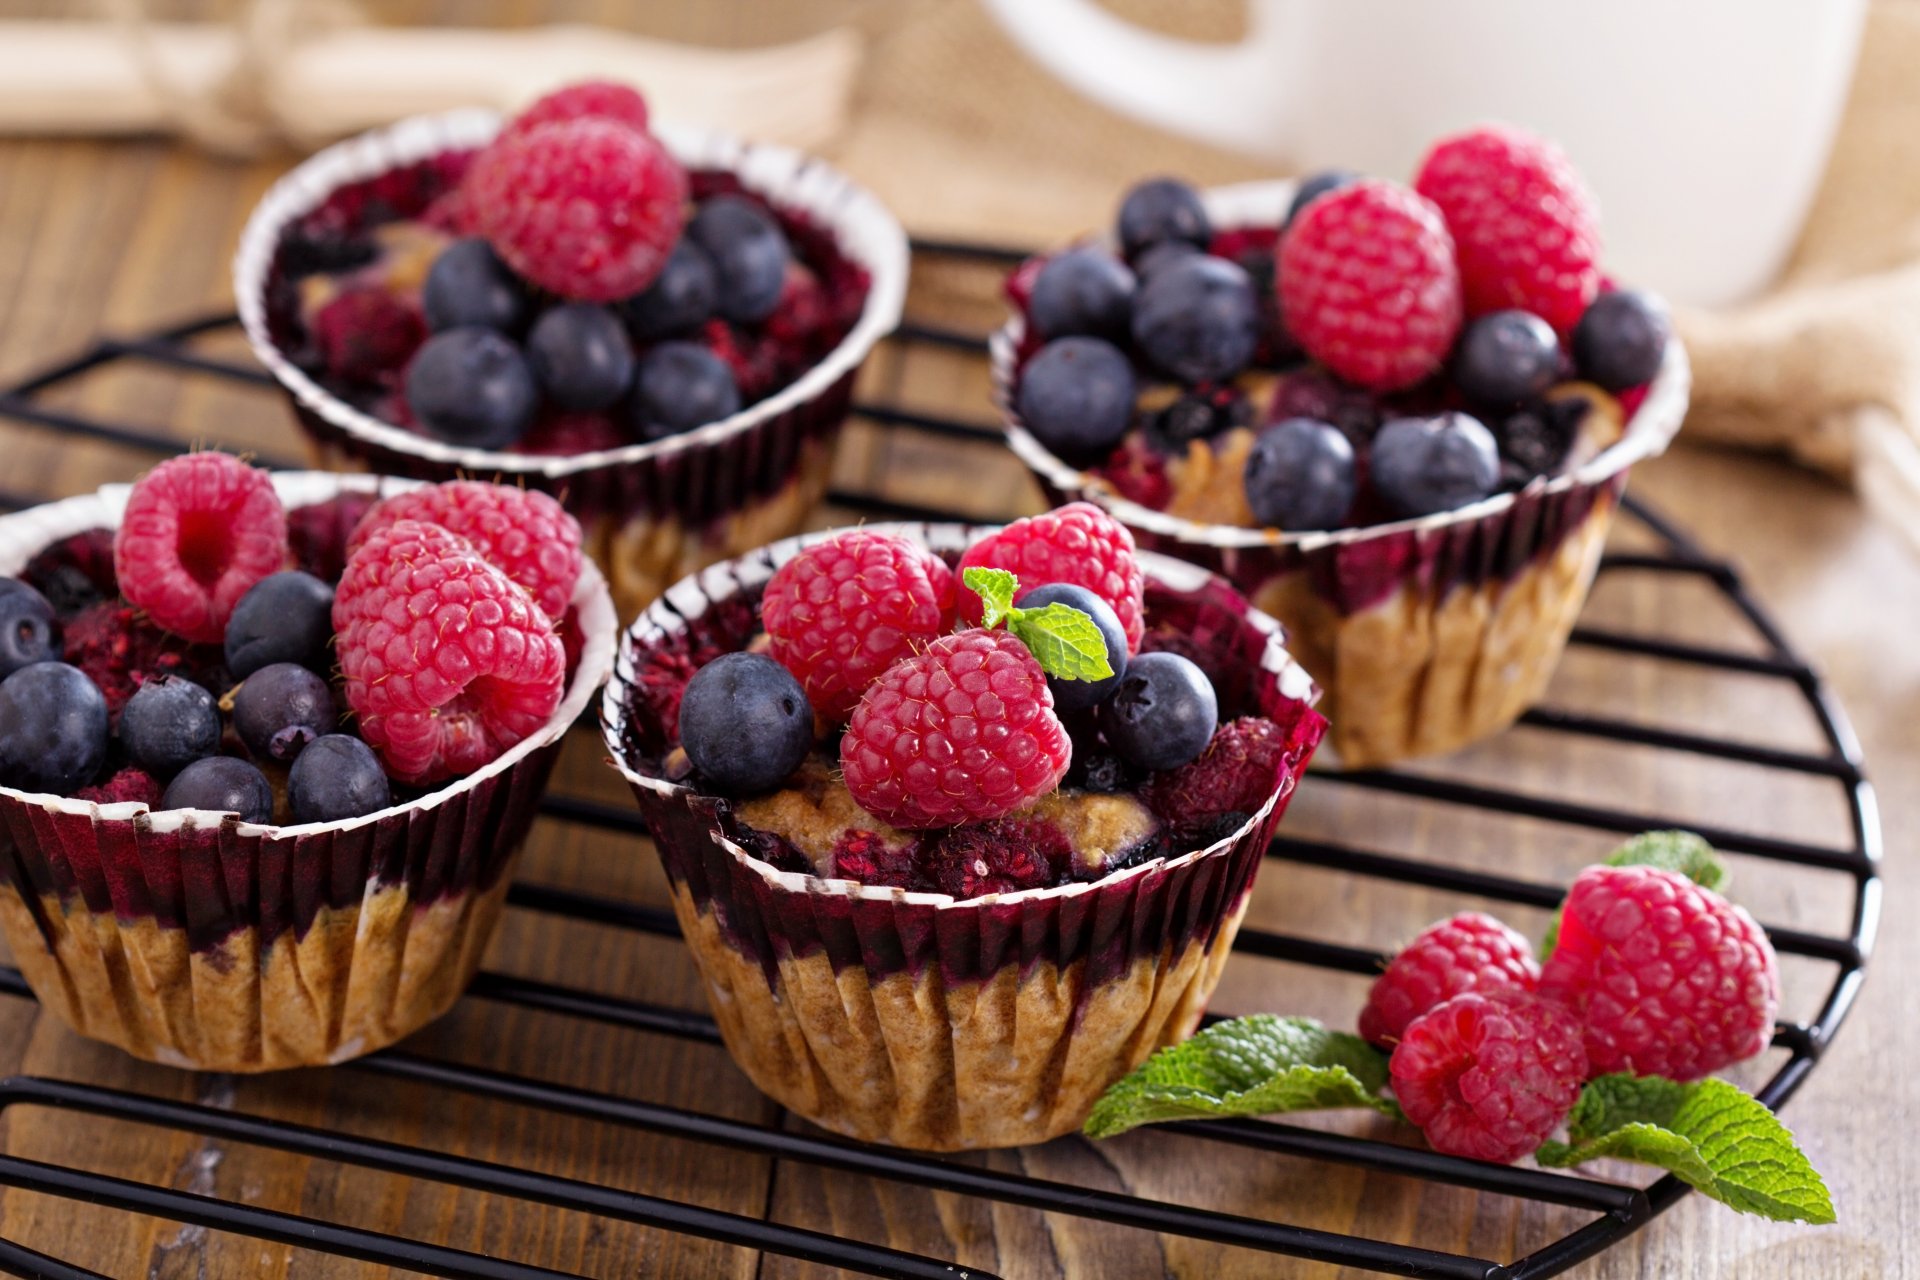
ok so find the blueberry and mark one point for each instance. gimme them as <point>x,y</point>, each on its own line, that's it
<point>1199,414</point>
<point>749,252</point>
<point>1621,339</point>
<point>1162,209</point>
<point>1506,357</point>
<point>471,386</point>
<point>1166,253</point>
<point>1078,695</point>
<point>337,777</point>
<point>1300,475</point>
<point>678,386</point>
<point>168,723</point>
<point>29,632</point>
<point>1162,713</point>
<point>1313,186</point>
<point>745,722</point>
<point>1426,465</point>
<point>680,299</point>
<point>222,784</point>
<point>53,729</point>
<point>1082,291</point>
<point>1535,441</point>
<point>284,617</point>
<point>1076,396</point>
<point>1198,319</point>
<point>469,285</point>
<point>280,709</point>
<point>580,356</point>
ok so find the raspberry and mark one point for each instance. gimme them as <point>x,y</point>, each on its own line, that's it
<point>586,100</point>
<point>1002,856</point>
<point>130,783</point>
<point>524,534</point>
<point>1524,227</point>
<point>567,435</point>
<point>1489,1075</point>
<point>960,733</point>
<point>1670,978</point>
<point>447,662</point>
<point>866,857</point>
<point>1369,286</point>
<point>120,651</point>
<point>1240,768</point>
<point>366,332</point>
<point>1078,544</point>
<point>589,209</point>
<point>198,531</point>
<point>843,611</point>
<point>1470,952</point>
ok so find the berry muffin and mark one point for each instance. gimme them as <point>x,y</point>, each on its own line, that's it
<point>268,746</point>
<point>959,823</point>
<point>658,326</point>
<point>1399,419</point>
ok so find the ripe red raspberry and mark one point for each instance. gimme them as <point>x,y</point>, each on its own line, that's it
<point>1525,230</point>
<point>589,209</point>
<point>844,610</point>
<point>960,733</point>
<point>1670,978</point>
<point>1005,855</point>
<point>526,535</point>
<point>1240,768</point>
<point>447,662</point>
<point>1369,286</point>
<point>1077,544</point>
<point>586,100</point>
<point>1470,952</point>
<point>199,530</point>
<point>366,332</point>
<point>1489,1075</point>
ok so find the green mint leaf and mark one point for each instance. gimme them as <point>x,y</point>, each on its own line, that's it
<point>1681,851</point>
<point>1065,641</point>
<point>995,587</point>
<point>1709,1134</point>
<point>1253,1066</point>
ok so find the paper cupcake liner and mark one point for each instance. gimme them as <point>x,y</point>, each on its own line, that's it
<point>913,1018</point>
<point>198,940</point>
<point>1426,634</point>
<point>744,468</point>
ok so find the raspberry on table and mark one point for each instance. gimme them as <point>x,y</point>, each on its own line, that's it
<point>1240,768</point>
<point>525,534</point>
<point>588,208</point>
<point>198,532</point>
<point>1469,952</point>
<point>1668,977</point>
<point>1078,544</point>
<point>447,661</point>
<point>1369,286</point>
<point>960,733</point>
<point>844,610</point>
<point>1489,1075</point>
<point>1525,230</point>
<point>584,100</point>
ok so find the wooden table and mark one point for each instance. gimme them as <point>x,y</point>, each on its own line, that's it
<point>118,237</point>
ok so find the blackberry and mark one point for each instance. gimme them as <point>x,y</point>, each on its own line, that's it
<point>1536,440</point>
<point>1200,414</point>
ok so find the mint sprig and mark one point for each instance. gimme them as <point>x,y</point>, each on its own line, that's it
<point>1709,1134</point>
<point>1254,1066</point>
<point>1065,641</point>
<point>1680,851</point>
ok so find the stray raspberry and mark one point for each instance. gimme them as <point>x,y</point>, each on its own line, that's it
<point>960,733</point>
<point>1524,227</point>
<point>447,662</point>
<point>1470,952</point>
<point>1078,544</point>
<point>199,530</point>
<point>844,610</point>
<point>1005,855</point>
<point>1489,1076</point>
<point>365,333</point>
<point>586,100</point>
<point>589,209</point>
<point>525,534</point>
<point>1669,978</point>
<point>1240,768</point>
<point>1369,286</point>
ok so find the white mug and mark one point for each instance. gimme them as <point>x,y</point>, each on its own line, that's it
<point>1702,126</point>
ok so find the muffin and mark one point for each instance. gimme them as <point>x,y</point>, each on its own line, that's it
<point>941,895</point>
<point>659,326</point>
<point>246,823</point>
<point>1400,421</point>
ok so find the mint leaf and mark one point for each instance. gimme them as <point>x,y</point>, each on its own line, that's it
<point>995,587</point>
<point>1709,1134</point>
<point>1065,641</point>
<point>1681,851</point>
<point>1252,1066</point>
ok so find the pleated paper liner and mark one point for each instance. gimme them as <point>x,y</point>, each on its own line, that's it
<point>197,940</point>
<point>912,1018</point>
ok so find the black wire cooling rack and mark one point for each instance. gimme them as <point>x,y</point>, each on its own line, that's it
<point>1617,1209</point>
